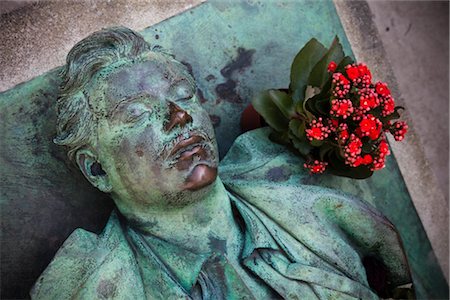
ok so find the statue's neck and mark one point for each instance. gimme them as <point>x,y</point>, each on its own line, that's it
<point>194,226</point>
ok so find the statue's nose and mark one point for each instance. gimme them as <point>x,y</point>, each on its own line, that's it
<point>177,116</point>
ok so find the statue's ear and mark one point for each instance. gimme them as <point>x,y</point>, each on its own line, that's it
<point>92,170</point>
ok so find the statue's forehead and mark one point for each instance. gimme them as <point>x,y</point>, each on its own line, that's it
<point>155,77</point>
<point>151,77</point>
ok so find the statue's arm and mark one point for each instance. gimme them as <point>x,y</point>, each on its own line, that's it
<point>373,235</point>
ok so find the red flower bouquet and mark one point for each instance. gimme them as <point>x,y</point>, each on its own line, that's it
<point>333,114</point>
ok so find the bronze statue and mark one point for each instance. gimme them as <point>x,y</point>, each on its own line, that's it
<point>131,121</point>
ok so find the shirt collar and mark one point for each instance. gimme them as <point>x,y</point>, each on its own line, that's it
<point>186,265</point>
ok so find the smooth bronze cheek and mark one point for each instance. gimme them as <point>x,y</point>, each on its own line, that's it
<point>136,153</point>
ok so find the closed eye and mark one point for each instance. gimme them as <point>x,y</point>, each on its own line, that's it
<point>135,111</point>
<point>131,112</point>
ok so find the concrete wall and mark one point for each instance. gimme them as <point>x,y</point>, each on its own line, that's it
<point>37,37</point>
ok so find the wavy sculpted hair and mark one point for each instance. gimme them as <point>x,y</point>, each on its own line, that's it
<point>76,121</point>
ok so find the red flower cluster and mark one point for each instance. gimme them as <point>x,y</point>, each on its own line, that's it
<point>359,116</point>
<point>317,130</point>
<point>316,167</point>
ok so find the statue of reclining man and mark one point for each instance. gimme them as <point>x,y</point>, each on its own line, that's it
<point>132,123</point>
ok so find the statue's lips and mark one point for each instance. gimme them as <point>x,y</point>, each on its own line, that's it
<point>188,152</point>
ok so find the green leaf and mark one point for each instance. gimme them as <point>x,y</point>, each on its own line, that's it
<point>284,102</point>
<point>319,104</point>
<point>301,67</point>
<point>367,147</point>
<point>325,149</point>
<point>309,115</point>
<point>264,105</point>
<point>323,106</point>
<point>297,127</point>
<point>299,107</point>
<point>395,115</point>
<point>302,130</point>
<point>279,138</point>
<point>344,62</point>
<point>319,73</point>
<point>316,143</point>
<point>311,92</point>
<point>301,145</point>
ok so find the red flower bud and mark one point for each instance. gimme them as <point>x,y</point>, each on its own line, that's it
<point>367,159</point>
<point>399,130</point>
<point>382,89</point>
<point>364,71</point>
<point>388,106</point>
<point>383,148</point>
<point>317,130</point>
<point>359,160</point>
<point>343,135</point>
<point>375,133</point>
<point>316,166</point>
<point>332,66</point>
<point>334,123</point>
<point>367,125</point>
<point>370,126</point>
<point>341,108</point>
<point>352,73</point>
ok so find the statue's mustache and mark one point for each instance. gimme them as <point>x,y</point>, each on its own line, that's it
<point>183,140</point>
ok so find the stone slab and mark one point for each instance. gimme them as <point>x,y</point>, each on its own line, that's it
<point>234,50</point>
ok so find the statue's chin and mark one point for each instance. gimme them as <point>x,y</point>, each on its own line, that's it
<point>201,176</point>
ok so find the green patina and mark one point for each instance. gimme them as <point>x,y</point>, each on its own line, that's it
<point>132,123</point>
<point>233,62</point>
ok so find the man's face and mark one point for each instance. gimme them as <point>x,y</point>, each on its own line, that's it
<point>155,142</point>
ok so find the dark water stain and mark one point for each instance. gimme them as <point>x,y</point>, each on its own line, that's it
<point>218,244</point>
<point>227,90</point>
<point>106,289</point>
<point>242,61</point>
<point>277,174</point>
<point>251,7</point>
<point>215,120</point>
